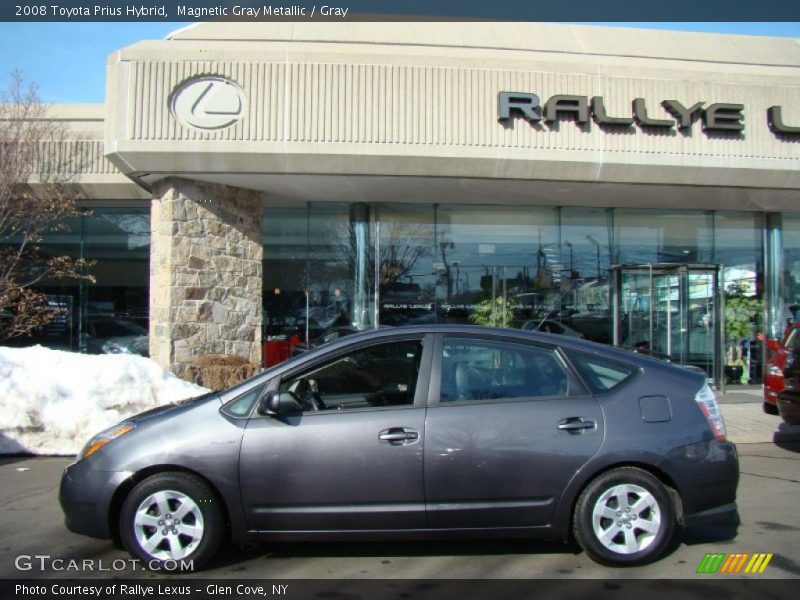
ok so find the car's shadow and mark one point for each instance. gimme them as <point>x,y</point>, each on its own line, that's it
<point>233,554</point>
<point>236,556</point>
<point>787,437</point>
<point>717,533</point>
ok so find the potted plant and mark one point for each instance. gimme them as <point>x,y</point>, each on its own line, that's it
<point>741,311</point>
<point>482,314</point>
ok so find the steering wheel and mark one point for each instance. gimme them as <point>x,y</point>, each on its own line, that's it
<point>309,398</point>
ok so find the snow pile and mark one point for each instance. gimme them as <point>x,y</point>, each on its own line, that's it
<point>52,402</point>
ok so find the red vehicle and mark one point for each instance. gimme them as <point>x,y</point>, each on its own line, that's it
<point>777,353</point>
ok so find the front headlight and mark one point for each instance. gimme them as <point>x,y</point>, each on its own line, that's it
<point>102,438</point>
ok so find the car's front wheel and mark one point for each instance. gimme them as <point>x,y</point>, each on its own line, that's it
<point>171,520</point>
<point>624,517</point>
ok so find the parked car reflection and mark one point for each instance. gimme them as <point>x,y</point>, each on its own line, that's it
<point>113,335</point>
<point>328,336</point>
<point>550,326</point>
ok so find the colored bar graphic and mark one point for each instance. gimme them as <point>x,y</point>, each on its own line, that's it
<point>722,563</point>
<point>711,563</point>
<point>758,563</point>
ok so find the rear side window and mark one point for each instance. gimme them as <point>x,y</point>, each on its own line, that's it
<point>487,370</point>
<point>601,374</point>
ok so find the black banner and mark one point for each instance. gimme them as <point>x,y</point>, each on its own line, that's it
<point>702,588</point>
<point>397,10</point>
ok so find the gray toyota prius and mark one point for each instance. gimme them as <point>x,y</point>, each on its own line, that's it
<point>418,433</point>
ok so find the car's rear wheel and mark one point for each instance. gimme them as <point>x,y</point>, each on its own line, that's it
<point>171,520</point>
<point>624,517</point>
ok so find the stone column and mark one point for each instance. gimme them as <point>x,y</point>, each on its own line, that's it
<point>205,272</point>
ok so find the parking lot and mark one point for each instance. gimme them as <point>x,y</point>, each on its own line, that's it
<point>32,526</point>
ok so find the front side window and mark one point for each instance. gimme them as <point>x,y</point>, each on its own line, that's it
<point>243,404</point>
<point>485,370</point>
<point>376,376</point>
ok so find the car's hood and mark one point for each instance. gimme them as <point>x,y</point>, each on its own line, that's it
<point>175,407</point>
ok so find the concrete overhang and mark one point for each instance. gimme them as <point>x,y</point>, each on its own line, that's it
<point>381,102</point>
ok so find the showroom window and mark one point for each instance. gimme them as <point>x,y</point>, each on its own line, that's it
<point>111,314</point>
<point>610,275</point>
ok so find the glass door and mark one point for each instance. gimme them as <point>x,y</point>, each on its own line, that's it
<point>670,311</point>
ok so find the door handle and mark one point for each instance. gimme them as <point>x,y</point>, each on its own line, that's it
<point>576,424</point>
<point>398,436</point>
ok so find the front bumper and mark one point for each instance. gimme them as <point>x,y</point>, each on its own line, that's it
<point>85,496</point>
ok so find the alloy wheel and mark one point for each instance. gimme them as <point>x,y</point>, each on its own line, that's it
<point>168,525</point>
<point>626,519</point>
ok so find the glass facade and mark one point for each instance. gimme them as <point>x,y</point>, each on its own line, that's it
<point>694,285</point>
<point>788,272</point>
<point>111,314</point>
<point>653,279</point>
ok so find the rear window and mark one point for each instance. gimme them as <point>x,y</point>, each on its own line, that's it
<point>601,374</point>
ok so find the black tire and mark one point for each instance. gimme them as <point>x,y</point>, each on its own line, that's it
<point>175,490</point>
<point>641,534</point>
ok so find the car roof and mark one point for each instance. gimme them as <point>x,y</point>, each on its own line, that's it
<point>506,333</point>
<point>388,333</point>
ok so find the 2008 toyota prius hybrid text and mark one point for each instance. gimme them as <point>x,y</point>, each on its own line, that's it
<point>418,432</point>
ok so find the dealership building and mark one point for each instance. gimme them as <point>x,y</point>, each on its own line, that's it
<point>254,184</point>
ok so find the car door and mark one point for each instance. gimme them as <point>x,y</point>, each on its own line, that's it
<point>507,427</point>
<point>353,459</point>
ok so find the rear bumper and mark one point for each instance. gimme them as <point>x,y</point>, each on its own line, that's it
<point>706,476</point>
<point>770,408</point>
<point>727,513</point>
<point>789,406</point>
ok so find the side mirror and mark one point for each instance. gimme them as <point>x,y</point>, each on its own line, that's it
<point>277,403</point>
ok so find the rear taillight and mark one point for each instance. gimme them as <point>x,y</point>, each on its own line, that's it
<point>708,405</point>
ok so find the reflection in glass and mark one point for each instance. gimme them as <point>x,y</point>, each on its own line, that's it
<point>116,305</point>
<point>662,236</point>
<point>791,267</point>
<point>539,268</point>
<point>586,304</point>
<point>738,247</point>
<point>498,265</point>
<point>284,232</point>
<point>407,283</point>
<point>111,314</point>
<point>341,267</point>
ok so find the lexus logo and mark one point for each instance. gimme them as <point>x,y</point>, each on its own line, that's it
<point>208,103</point>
